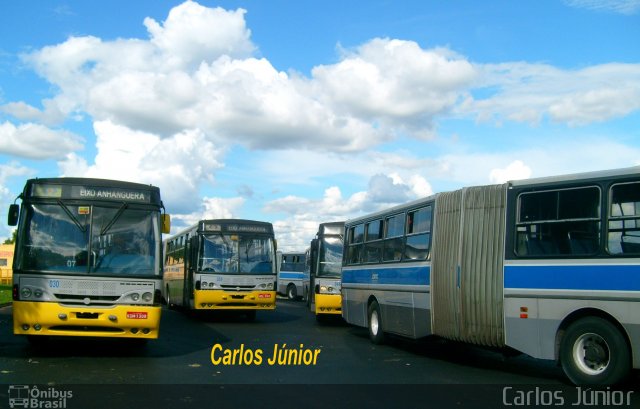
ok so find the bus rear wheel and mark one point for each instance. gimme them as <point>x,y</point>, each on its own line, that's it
<point>594,352</point>
<point>375,324</point>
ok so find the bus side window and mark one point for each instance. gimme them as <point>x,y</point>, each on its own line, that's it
<point>624,219</point>
<point>561,222</point>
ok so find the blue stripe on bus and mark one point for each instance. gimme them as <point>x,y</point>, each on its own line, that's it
<point>405,275</point>
<point>573,277</point>
<point>291,275</point>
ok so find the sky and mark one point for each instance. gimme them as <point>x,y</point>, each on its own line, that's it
<point>303,112</point>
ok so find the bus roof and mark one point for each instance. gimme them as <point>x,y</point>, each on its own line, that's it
<point>584,176</point>
<point>329,228</point>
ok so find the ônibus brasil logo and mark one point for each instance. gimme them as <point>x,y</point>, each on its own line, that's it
<point>25,396</point>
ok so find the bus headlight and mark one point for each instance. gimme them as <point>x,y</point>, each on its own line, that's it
<point>25,292</point>
<point>37,292</point>
<point>328,289</point>
<point>147,297</point>
<point>135,296</point>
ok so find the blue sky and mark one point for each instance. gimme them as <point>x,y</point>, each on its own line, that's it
<point>305,112</point>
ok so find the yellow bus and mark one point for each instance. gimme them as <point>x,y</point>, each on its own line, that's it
<point>321,281</point>
<point>87,259</point>
<point>223,264</point>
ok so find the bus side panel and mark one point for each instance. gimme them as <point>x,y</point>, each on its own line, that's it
<point>354,306</point>
<point>537,303</point>
<point>174,283</point>
<point>406,313</point>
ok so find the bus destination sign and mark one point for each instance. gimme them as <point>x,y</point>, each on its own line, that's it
<point>105,193</point>
<point>90,193</point>
<point>246,228</point>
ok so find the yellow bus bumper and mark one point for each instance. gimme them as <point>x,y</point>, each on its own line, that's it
<point>234,300</point>
<point>328,304</point>
<point>118,321</point>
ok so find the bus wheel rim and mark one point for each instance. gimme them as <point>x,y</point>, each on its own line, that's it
<point>374,323</point>
<point>591,353</point>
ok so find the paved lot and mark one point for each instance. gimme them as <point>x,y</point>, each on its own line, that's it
<point>226,356</point>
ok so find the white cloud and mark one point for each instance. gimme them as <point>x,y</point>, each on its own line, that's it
<point>208,208</point>
<point>196,73</point>
<point>514,171</point>
<point>7,197</point>
<point>528,93</point>
<point>178,164</point>
<point>396,82</point>
<point>35,141</point>
<point>627,7</point>
<point>305,214</point>
<point>193,33</point>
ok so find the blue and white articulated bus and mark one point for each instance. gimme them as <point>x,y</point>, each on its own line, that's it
<point>548,266</point>
<point>291,274</point>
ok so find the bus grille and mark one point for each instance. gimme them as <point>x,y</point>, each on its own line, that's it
<point>238,287</point>
<point>65,297</point>
<point>85,328</point>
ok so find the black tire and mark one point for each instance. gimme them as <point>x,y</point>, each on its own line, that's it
<point>375,324</point>
<point>309,301</point>
<point>594,352</point>
<point>168,299</point>
<point>292,293</point>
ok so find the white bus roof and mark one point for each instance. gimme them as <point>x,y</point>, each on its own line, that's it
<point>601,174</point>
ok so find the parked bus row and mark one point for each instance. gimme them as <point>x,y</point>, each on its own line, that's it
<point>548,267</point>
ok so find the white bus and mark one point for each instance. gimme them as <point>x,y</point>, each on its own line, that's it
<point>88,259</point>
<point>290,274</point>
<point>222,264</point>
<point>548,266</point>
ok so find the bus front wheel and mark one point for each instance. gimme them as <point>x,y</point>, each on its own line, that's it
<point>292,294</point>
<point>168,299</point>
<point>375,324</point>
<point>594,352</point>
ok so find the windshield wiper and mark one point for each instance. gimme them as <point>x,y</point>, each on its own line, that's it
<point>72,217</point>
<point>115,218</point>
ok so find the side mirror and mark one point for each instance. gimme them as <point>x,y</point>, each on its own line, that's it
<point>14,212</point>
<point>166,223</point>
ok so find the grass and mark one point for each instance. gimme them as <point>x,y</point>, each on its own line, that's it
<point>5,294</point>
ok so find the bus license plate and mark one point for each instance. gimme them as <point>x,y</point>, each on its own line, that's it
<point>136,315</point>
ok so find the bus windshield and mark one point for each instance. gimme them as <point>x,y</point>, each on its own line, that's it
<point>236,254</point>
<point>330,257</point>
<point>91,240</point>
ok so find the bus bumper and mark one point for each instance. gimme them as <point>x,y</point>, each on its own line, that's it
<point>118,321</point>
<point>328,304</point>
<point>234,300</point>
